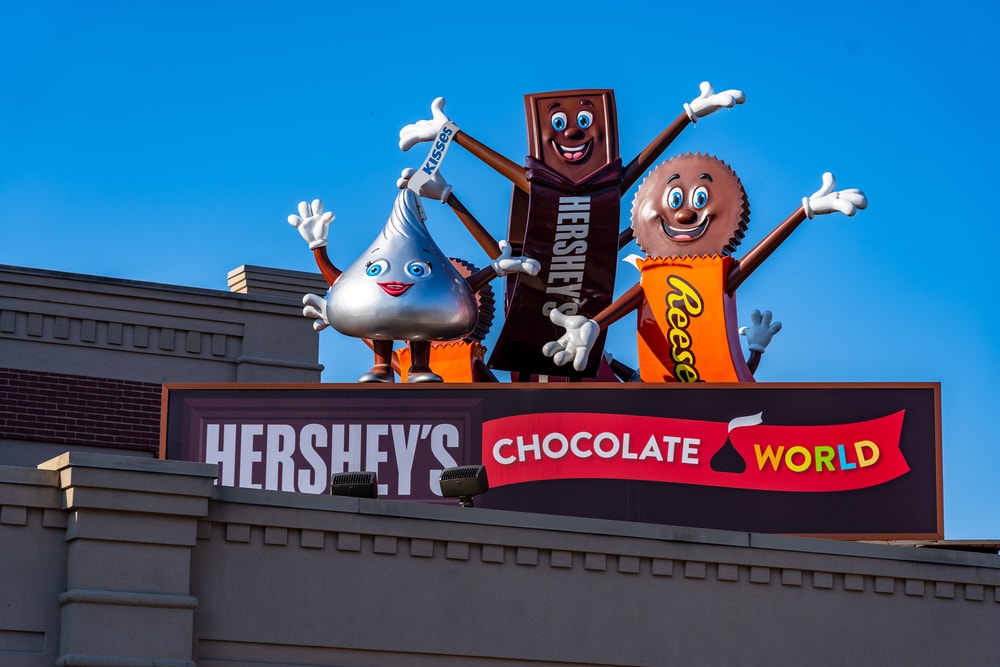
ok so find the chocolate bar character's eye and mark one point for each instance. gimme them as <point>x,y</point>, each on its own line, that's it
<point>675,198</point>
<point>584,119</point>
<point>699,197</point>
<point>559,121</point>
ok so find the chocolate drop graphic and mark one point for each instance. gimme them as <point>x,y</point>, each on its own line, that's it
<point>728,459</point>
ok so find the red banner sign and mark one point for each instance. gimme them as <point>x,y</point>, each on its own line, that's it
<point>744,453</point>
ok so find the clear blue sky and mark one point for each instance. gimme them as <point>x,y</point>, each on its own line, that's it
<point>168,142</point>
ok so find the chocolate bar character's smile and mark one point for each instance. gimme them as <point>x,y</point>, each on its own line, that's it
<point>574,153</point>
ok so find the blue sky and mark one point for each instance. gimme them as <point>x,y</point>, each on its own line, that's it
<point>168,142</point>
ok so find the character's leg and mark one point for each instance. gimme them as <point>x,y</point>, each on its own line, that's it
<point>420,371</point>
<point>482,373</point>
<point>382,370</point>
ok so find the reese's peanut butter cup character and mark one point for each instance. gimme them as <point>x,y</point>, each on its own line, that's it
<point>402,288</point>
<point>564,211</point>
<point>689,215</point>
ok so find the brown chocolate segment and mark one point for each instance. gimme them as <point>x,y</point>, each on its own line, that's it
<point>574,132</point>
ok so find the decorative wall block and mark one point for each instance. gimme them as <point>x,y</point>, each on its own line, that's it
<point>492,553</point>
<point>791,577</point>
<point>914,587</point>
<point>276,535</point>
<point>822,580</point>
<point>595,562</point>
<point>695,570</point>
<point>237,532</point>
<point>561,559</point>
<point>885,585</point>
<point>312,539</point>
<point>944,589</point>
<point>526,556</point>
<point>348,542</point>
<point>457,551</point>
<point>385,544</point>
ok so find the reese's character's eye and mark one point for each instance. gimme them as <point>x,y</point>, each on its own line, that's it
<point>584,119</point>
<point>559,121</point>
<point>675,198</point>
<point>418,269</point>
<point>377,267</point>
<point>699,197</point>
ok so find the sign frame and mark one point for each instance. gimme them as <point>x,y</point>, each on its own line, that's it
<point>908,507</point>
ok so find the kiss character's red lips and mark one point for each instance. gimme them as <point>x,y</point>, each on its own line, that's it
<point>394,288</point>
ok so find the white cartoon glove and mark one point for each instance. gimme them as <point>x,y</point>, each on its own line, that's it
<point>313,224</point>
<point>424,130</point>
<point>760,331</point>
<point>505,263</point>
<point>576,343</point>
<point>710,101</point>
<point>315,308</point>
<point>825,200</point>
<point>433,188</point>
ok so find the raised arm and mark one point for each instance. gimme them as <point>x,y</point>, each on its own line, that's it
<point>707,102</point>
<point>823,201</point>
<point>430,130</point>
<point>314,226</point>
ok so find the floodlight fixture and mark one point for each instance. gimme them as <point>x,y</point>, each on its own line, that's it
<point>354,484</point>
<point>464,482</point>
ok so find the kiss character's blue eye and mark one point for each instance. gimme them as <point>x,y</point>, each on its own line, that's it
<point>699,197</point>
<point>373,269</point>
<point>559,121</point>
<point>675,198</point>
<point>584,119</point>
<point>418,269</point>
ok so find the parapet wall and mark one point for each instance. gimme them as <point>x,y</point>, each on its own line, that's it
<point>151,332</point>
<point>118,560</point>
<point>83,358</point>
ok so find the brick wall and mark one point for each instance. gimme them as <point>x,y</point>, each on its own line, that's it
<point>79,410</point>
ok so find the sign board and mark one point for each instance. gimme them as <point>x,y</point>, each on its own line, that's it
<point>846,460</point>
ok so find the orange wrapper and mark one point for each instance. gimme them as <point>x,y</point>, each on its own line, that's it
<point>687,324</point>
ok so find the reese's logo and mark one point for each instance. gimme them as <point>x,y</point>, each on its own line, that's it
<point>683,303</point>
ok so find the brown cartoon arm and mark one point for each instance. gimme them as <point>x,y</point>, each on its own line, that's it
<point>622,306</point>
<point>480,278</point>
<point>511,170</point>
<point>742,269</point>
<point>823,201</point>
<point>430,130</point>
<point>499,251</point>
<point>637,167</point>
<point>326,267</point>
<point>644,160</point>
<point>479,233</point>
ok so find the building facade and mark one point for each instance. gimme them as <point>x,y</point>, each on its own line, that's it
<point>111,557</point>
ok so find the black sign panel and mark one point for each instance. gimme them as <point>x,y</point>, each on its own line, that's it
<point>847,460</point>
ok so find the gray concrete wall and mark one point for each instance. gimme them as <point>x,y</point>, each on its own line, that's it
<point>151,332</point>
<point>117,560</point>
<point>82,358</point>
